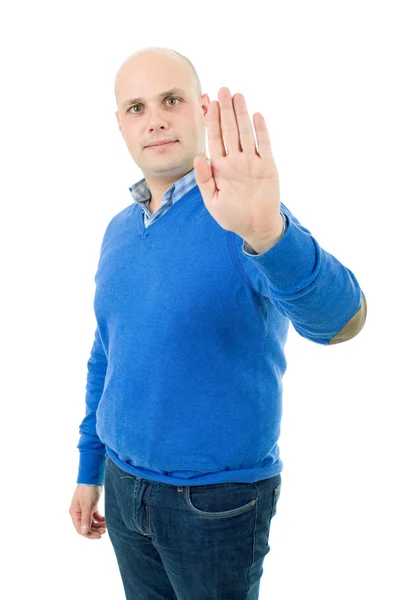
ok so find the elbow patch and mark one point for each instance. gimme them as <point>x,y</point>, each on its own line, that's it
<point>353,326</point>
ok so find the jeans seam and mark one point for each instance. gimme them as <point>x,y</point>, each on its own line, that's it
<point>254,536</point>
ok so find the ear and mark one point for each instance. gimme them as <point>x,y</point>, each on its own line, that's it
<point>205,102</point>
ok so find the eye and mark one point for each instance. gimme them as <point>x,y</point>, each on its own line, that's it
<point>169,98</point>
<point>173,98</point>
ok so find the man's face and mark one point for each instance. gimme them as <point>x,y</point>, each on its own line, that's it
<point>147,114</point>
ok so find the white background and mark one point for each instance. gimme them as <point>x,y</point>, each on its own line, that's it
<point>325,76</point>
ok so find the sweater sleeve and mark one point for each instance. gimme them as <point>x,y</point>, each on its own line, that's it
<point>321,297</point>
<point>92,450</point>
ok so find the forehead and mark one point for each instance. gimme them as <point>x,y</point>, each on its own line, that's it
<point>148,77</point>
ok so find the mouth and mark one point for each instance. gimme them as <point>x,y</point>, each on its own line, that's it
<point>162,144</point>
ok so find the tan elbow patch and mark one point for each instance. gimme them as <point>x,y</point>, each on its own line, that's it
<point>353,326</point>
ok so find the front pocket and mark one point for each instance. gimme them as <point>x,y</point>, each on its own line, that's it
<point>219,502</point>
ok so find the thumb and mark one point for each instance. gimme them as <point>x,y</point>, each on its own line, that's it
<point>204,178</point>
<point>85,521</point>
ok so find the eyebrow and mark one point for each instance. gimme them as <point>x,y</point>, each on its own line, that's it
<point>174,90</point>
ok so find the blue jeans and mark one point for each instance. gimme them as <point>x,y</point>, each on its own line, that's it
<point>204,542</point>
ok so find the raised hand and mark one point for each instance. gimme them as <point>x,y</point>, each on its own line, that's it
<point>240,188</point>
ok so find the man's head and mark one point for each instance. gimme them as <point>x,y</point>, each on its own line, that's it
<point>142,77</point>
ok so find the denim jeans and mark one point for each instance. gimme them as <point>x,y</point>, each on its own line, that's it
<point>204,542</point>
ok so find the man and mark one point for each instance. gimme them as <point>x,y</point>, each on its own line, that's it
<point>197,282</point>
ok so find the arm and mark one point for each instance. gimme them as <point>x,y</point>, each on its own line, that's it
<point>240,189</point>
<point>307,284</point>
<point>92,450</point>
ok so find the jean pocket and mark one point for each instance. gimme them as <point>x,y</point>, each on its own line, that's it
<point>222,500</point>
<point>276,494</point>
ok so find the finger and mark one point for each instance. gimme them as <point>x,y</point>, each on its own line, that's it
<point>214,134</point>
<point>98,526</point>
<point>263,141</point>
<point>92,535</point>
<point>76,518</point>
<point>86,519</point>
<point>246,135</point>
<point>204,179</point>
<point>98,517</point>
<point>95,531</point>
<point>229,125</point>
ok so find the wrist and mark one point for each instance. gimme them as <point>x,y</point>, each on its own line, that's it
<point>263,244</point>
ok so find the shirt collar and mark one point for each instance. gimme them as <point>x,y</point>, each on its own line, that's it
<point>140,191</point>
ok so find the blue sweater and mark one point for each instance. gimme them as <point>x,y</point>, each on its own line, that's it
<point>184,381</point>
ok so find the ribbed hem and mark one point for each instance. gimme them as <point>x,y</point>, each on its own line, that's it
<point>91,468</point>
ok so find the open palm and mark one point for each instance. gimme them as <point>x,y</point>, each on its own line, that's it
<point>240,188</point>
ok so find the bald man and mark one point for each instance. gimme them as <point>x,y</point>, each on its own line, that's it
<point>184,387</point>
<point>151,71</point>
